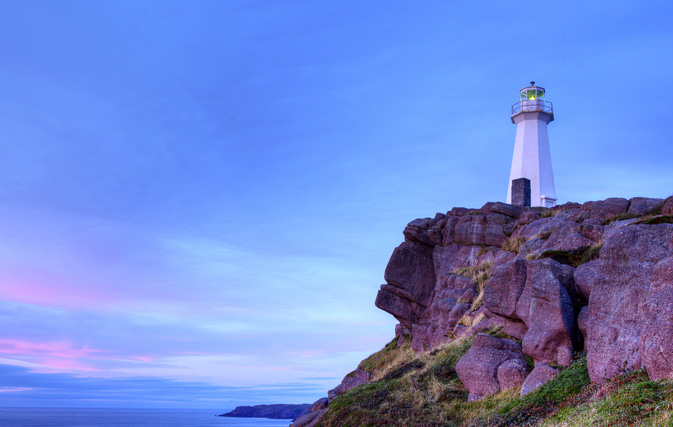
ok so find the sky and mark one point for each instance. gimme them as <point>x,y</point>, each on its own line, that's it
<point>198,199</point>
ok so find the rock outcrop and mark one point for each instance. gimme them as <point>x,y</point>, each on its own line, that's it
<point>358,377</point>
<point>492,365</point>
<point>596,277</point>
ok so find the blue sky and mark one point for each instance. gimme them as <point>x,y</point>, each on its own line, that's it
<point>199,198</point>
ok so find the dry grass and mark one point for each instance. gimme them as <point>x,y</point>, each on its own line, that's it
<point>479,275</point>
<point>468,321</point>
<point>513,244</point>
<point>390,357</point>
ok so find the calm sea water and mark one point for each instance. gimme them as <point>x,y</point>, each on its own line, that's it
<point>81,417</point>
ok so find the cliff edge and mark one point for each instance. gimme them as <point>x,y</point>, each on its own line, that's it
<point>505,300</point>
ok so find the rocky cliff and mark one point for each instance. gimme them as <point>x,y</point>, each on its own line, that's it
<point>594,279</point>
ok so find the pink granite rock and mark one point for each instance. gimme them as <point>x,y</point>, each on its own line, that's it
<point>449,258</point>
<point>541,375</point>
<point>320,404</point>
<point>359,377</point>
<point>644,205</point>
<point>655,344</point>
<point>606,209</point>
<point>592,230</point>
<point>512,373</point>
<point>617,309</point>
<point>667,207</point>
<point>504,287</point>
<point>585,276</point>
<point>549,313</point>
<point>478,369</point>
<point>505,209</point>
<point>309,420</point>
<point>397,306</point>
<point>411,269</point>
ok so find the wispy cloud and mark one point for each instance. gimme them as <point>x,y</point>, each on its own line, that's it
<point>24,388</point>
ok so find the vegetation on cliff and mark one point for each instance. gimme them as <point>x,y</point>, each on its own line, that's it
<point>424,391</point>
<point>513,316</point>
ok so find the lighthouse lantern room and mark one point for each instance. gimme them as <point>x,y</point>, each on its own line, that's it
<point>532,158</point>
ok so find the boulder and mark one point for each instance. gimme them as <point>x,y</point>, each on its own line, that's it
<point>606,209</point>
<point>309,420</point>
<point>585,276</point>
<point>359,377</point>
<point>541,227</point>
<point>320,404</point>
<point>411,268</point>
<point>561,232</point>
<point>504,287</point>
<point>510,211</point>
<point>512,373</point>
<point>617,306</point>
<point>592,230</point>
<point>667,207</point>
<point>533,247</point>
<point>655,344</point>
<point>541,375</point>
<point>479,369</point>
<point>644,205</point>
<point>397,306</point>
<point>457,313</point>
<point>417,231</point>
<point>546,308</point>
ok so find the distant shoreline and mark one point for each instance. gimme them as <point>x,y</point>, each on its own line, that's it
<point>277,411</point>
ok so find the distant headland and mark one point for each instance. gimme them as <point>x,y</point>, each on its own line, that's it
<point>278,411</point>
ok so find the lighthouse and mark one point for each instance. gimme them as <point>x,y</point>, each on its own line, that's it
<point>532,158</point>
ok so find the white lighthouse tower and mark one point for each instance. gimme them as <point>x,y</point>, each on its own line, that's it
<point>532,159</point>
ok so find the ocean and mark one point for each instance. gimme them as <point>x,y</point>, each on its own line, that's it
<point>89,417</point>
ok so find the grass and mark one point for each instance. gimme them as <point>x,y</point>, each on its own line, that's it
<point>414,393</point>
<point>653,220</point>
<point>619,217</point>
<point>545,235</point>
<point>379,363</point>
<point>479,275</point>
<point>513,244</point>
<point>426,392</point>
<point>574,257</point>
<point>630,399</point>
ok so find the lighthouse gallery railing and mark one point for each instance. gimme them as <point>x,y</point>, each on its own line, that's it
<point>525,106</point>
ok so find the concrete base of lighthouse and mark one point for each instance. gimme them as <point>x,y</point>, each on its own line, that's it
<point>532,158</point>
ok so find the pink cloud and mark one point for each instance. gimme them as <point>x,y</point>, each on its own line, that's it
<point>53,349</point>
<point>14,389</point>
<point>54,294</point>
<point>146,359</point>
<point>63,356</point>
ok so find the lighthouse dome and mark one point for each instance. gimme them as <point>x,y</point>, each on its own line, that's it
<point>532,99</point>
<point>532,93</point>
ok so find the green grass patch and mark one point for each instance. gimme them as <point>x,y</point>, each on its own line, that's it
<point>619,217</point>
<point>660,219</point>
<point>573,257</point>
<point>630,399</point>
